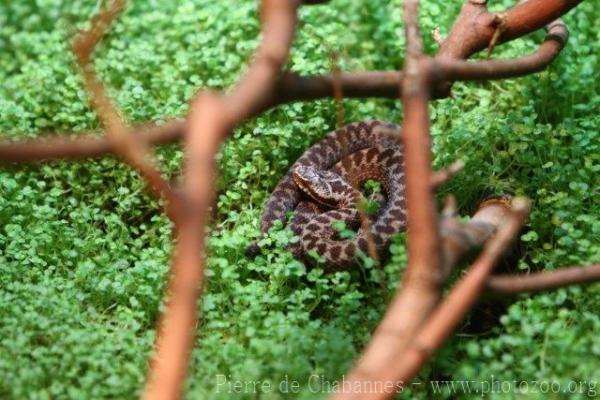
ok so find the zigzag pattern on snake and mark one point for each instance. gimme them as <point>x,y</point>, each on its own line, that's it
<point>320,189</point>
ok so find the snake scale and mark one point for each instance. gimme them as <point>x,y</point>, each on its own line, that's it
<point>320,189</point>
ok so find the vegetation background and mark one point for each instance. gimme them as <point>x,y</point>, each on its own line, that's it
<point>84,251</point>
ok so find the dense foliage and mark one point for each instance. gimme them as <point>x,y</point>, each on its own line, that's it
<point>84,251</point>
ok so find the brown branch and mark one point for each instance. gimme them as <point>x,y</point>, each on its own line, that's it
<point>439,178</point>
<point>421,283</point>
<point>420,290</point>
<point>338,95</point>
<point>211,120</point>
<point>475,27</point>
<point>56,147</point>
<point>338,91</point>
<point>531,15</point>
<point>132,149</point>
<point>453,70</point>
<point>459,239</point>
<point>86,41</point>
<point>289,88</point>
<point>252,95</point>
<point>509,285</point>
<point>461,298</point>
<point>176,329</point>
<point>293,87</point>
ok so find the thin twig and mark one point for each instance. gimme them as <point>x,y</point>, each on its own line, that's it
<point>455,70</point>
<point>59,146</point>
<point>131,148</point>
<point>437,36</point>
<point>411,329</point>
<point>338,91</point>
<point>499,28</point>
<point>510,285</point>
<point>440,178</point>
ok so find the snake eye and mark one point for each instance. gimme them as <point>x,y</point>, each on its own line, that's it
<point>306,173</point>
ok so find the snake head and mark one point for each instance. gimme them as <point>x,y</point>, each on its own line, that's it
<point>324,187</point>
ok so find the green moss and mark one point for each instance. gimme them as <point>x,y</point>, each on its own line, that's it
<point>84,251</point>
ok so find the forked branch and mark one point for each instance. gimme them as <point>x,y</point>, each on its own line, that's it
<point>416,324</point>
<point>133,149</point>
<point>421,285</point>
<point>456,70</point>
<point>211,119</point>
<point>471,33</point>
<point>461,298</point>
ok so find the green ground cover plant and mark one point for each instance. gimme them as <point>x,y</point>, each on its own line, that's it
<point>84,250</point>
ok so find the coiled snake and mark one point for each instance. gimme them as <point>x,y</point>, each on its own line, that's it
<point>320,189</point>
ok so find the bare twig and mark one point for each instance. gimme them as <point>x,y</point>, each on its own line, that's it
<point>529,16</point>
<point>211,120</point>
<point>253,94</point>
<point>176,329</point>
<point>499,24</point>
<point>288,88</point>
<point>439,178</point>
<point>87,41</point>
<point>461,298</point>
<point>294,87</point>
<point>338,91</point>
<point>507,285</point>
<point>421,284</point>
<point>423,239</point>
<point>131,148</point>
<point>458,239</point>
<point>453,70</point>
<point>474,28</point>
<point>57,147</point>
<point>414,325</point>
<point>437,36</point>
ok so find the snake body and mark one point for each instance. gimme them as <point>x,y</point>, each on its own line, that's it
<point>321,188</point>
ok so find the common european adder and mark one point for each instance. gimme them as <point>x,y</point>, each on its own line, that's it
<point>322,187</point>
